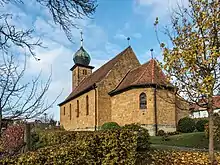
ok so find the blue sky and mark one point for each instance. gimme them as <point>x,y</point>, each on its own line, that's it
<point>104,37</point>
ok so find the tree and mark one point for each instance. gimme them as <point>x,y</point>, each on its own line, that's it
<point>64,13</point>
<point>20,100</point>
<point>25,101</point>
<point>193,61</point>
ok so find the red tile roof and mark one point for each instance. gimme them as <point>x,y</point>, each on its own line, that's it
<point>216,104</point>
<point>148,73</point>
<point>95,77</point>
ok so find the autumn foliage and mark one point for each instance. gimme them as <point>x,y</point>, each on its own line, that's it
<point>117,146</point>
<point>12,139</point>
<point>169,157</point>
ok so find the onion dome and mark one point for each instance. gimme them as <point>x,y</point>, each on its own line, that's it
<point>81,57</point>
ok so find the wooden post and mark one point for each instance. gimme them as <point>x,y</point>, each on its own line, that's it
<point>27,137</point>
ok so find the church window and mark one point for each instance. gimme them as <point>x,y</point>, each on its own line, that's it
<point>143,101</point>
<point>77,109</point>
<point>87,105</point>
<point>64,111</point>
<point>70,112</point>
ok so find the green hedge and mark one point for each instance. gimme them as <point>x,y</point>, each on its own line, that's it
<point>186,125</point>
<point>110,125</point>
<point>200,125</point>
<point>102,147</point>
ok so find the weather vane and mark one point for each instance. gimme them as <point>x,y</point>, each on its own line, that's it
<point>128,41</point>
<point>152,55</point>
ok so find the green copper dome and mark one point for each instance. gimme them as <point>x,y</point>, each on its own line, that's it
<point>81,57</point>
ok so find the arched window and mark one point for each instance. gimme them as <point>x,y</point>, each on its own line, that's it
<point>143,101</point>
<point>70,112</point>
<point>77,109</point>
<point>87,105</point>
<point>64,111</point>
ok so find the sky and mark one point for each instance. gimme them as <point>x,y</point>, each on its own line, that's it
<point>104,37</point>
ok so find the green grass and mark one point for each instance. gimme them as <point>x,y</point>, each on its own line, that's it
<point>192,140</point>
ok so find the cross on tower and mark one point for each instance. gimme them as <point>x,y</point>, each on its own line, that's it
<point>81,33</point>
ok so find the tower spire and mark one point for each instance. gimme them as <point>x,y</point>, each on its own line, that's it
<point>81,33</point>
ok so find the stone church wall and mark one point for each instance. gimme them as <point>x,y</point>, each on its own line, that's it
<point>70,121</point>
<point>125,109</point>
<point>125,63</point>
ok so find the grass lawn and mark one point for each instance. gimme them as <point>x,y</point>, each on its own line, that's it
<point>192,140</point>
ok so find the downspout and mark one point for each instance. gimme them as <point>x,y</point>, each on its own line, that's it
<point>155,109</point>
<point>95,107</point>
<point>176,107</point>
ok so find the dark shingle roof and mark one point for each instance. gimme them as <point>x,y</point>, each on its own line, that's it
<point>148,73</point>
<point>97,76</point>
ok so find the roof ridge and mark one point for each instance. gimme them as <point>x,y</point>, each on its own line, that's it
<point>117,56</point>
<point>140,76</point>
<point>121,81</point>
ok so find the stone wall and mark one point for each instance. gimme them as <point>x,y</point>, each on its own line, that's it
<point>125,62</point>
<point>125,107</point>
<point>78,74</point>
<point>166,110</point>
<point>182,108</point>
<point>70,121</point>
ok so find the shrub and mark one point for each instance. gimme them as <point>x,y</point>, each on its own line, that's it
<point>168,157</point>
<point>200,125</point>
<point>143,136</point>
<point>102,147</point>
<point>186,125</point>
<point>110,125</point>
<point>216,128</point>
<point>13,139</point>
<point>161,133</point>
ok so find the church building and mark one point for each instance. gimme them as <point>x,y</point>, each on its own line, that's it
<point>121,91</point>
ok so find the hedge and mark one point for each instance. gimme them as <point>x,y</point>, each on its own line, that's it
<point>200,125</point>
<point>103,147</point>
<point>186,125</point>
<point>110,125</point>
<point>216,128</point>
<point>168,157</point>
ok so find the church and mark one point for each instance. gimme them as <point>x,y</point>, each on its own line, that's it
<point>122,91</point>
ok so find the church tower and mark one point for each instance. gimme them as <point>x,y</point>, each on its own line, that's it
<point>81,69</point>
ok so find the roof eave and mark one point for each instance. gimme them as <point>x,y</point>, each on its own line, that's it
<point>79,94</point>
<point>148,85</point>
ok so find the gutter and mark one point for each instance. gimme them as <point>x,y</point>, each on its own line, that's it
<point>96,112</point>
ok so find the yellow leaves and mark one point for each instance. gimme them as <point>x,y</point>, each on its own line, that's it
<point>180,157</point>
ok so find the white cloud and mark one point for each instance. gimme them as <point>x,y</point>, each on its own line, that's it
<point>157,8</point>
<point>120,36</point>
<point>59,51</point>
<point>137,35</point>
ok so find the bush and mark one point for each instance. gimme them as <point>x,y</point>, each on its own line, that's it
<point>161,133</point>
<point>200,125</point>
<point>110,125</point>
<point>186,125</point>
<point>13,139</point>
<point>102,147</point>
<point>143,136</point>
<point>168,157</point>
<point>216,128</point>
